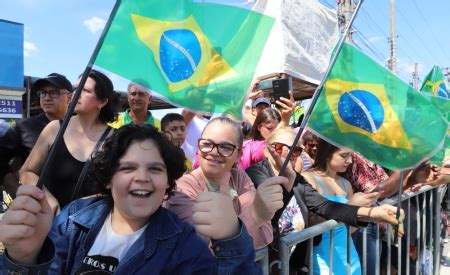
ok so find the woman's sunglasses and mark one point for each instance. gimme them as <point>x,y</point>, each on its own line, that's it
<point>278,146</point>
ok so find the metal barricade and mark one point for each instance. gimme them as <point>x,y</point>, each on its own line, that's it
<point>262,259</point>
<point>426,246</point>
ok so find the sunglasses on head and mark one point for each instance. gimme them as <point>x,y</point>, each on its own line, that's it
<point>278,146</point>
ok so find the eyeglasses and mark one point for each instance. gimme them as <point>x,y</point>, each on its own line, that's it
<point>224,149</point>
<point>312,145</point>
<point>278,146</point>
<point>50,93</point>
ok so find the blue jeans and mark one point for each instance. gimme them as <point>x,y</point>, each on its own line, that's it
<point>371,246</point>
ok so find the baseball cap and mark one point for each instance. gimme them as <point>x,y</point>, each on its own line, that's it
<point>55,79</point>
<point>260,100</point>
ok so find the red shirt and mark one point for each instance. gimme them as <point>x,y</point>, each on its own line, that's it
<point>363,174</point>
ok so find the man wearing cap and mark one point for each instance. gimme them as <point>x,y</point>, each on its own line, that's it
<point>139,98</point>
<point>260,104</point>
<point>54,92</point>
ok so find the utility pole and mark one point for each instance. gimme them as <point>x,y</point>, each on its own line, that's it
<point>447,73</point>
<point>415,76</point>
<point>393,39</point>
<point>345,12</point>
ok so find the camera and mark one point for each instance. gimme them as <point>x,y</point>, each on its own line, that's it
<point>280,88</point>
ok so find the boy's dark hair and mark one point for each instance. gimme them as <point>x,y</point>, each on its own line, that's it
<point>169,118</point>
<point>106,161</point>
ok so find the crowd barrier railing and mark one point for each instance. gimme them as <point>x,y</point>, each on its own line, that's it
<point>425,257</point>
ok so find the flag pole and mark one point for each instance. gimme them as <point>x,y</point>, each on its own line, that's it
<point>75,97</point>
<point>399,201</point>
<point>315,97</point>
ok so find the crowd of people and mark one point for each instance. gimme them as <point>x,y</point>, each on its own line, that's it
<point>184,194</point>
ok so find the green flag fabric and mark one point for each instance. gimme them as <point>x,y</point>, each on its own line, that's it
<point>434,89</point>
<point>366,108</point>
<point>195,54</point>
<point>443,153</point>
<point>435,83</point>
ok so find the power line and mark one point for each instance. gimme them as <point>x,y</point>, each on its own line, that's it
<point>431,30</point>
<point>379,56</point>
<point>406,54</point>
<point>427,50</point>
<point>367,15</point>
<point>370,46</point>
<point>376,53</point>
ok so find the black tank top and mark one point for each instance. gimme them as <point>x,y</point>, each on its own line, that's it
<point>63,175</point>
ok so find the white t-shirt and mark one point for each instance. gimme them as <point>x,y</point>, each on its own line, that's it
<point>193,132</point>
<point>108,249</point>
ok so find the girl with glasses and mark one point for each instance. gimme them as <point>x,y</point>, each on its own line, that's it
<point>219,150</point>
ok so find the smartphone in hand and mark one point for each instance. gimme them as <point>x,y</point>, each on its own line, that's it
<point>280,88</point>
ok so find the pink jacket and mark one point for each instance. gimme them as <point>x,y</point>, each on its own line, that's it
<point>190,185</point>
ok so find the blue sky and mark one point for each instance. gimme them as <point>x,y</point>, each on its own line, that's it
<point>420,27</point>
<point>60,35</point>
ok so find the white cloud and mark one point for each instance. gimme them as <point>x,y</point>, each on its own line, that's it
<point>405,69</point>
<point>29,48</point>
<point>94,24</point>
<point>408,66</point>
<point>375,39</point>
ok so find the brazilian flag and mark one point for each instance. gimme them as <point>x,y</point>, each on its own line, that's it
<point>366,108</point>
<point>435,83</point>
<point>435,90</point>
<point>195,54</point>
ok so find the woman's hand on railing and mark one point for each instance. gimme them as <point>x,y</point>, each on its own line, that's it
<point>414,187</point>
<point>382,214</point>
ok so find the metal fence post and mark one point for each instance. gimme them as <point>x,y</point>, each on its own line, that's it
<point>284,258</point>
<point>408,235</point>
<point>436,231</point>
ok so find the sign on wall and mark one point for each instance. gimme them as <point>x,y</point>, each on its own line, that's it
<point>10,106</point>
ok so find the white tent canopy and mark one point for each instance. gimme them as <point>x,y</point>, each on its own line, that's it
<point>301,39</point>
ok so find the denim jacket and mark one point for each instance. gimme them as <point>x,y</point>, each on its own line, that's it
<point>167,246</point>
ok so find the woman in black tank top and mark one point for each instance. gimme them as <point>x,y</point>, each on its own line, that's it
<point>94,109</point>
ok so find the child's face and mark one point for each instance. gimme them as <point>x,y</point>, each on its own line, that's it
<point>177,129</point>
<point>139,185</point>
